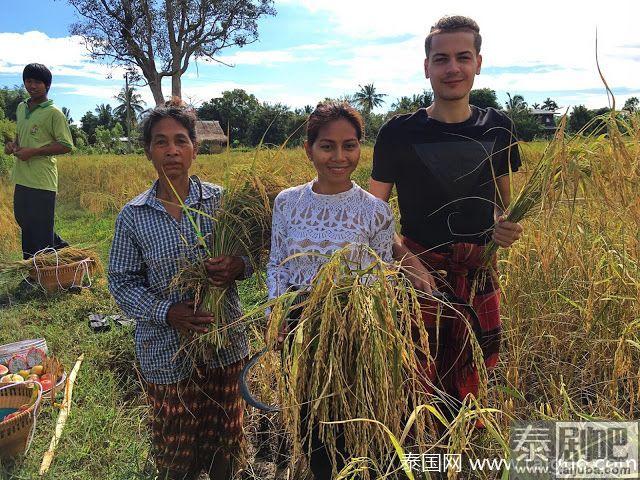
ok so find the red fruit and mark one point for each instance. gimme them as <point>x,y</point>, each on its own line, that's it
<point>3,370</point>
<point>46,384</point>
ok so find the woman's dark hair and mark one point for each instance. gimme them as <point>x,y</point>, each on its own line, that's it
<point>175,109</point>
<point>327,112</point>
<point>37,71</point>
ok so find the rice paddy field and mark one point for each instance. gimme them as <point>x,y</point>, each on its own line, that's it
<point>570,308</point>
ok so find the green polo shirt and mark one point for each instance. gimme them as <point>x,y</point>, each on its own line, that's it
<point>43,126</point>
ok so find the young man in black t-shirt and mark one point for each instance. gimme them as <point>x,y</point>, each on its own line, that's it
<point>450,164</point>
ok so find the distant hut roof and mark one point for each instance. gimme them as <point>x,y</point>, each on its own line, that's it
<point>210,130</point>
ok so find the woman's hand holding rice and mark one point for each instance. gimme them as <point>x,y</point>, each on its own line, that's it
<point>183,316</point>
<point>224,270</point>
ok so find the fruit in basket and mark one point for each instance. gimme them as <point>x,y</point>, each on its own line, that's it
<point>37,370</point>
<point>35,356</point>
<point>17,363</point>
<point>48,376</point>
<point>47,384</point>
<point>33,377</point>
<point>24,373</point>
<point>11,378</point>
<point>3,370</point>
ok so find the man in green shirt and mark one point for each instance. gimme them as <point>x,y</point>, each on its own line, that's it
<point>42,132</point>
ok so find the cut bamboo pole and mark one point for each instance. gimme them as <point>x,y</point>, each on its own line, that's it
<point>62,417</point>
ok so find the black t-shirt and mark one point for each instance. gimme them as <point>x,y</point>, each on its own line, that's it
<point>445,173</point>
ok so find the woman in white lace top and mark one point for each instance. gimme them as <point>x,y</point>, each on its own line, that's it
<point>322,216</point>
<point>330,211</point>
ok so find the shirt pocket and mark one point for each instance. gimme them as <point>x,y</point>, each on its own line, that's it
<point>155,346</point>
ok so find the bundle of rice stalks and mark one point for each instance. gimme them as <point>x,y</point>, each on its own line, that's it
<point>241,227</point>
<point>351,355</point>
<point>12,273</point>
<point>551,174</point>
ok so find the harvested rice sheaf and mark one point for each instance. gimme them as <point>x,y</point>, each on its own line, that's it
<point>241,226</point>
<point>11,273</point>
<point>351,356</point>
<point>556,171</point>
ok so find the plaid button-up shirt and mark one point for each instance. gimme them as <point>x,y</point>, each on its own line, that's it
<point>148,246</point>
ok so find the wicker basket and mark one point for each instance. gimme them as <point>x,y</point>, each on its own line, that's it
<point>17,432</point>
<point>62,276</point>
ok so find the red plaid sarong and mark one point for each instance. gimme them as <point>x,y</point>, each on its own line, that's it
<point>450,366</point>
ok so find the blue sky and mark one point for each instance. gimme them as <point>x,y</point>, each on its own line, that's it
<point>314,49</point>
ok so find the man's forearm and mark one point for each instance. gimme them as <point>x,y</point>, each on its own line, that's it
<point>52,149</point>
<point>398,248</point>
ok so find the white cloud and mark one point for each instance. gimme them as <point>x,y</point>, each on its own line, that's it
<point>63,55</point>
<point>546,32</point>
<point>98,92</point>
<point>299,53</point>
<point>264,57</point>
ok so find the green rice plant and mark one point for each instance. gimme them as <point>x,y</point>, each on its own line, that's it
<point>352,355</point>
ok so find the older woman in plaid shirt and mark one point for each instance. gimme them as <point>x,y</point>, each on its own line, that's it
<point>197,412</point>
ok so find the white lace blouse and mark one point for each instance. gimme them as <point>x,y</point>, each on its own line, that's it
<point>309,222</point>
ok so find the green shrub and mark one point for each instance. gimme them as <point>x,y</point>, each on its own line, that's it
<point>6,164</point>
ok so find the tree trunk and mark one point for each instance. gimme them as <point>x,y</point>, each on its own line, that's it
<point>176,85</point>
<point>155,84</point>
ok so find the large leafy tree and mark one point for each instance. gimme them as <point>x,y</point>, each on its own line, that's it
<point>11,97</point>
<point>368,97</point>
<point>580,116</point>
<point>234,110</point>
<point>105,115</point>
<point>270,124</point>
<point>88,124</point>
<point>159,38</point>
<point>484,98</point>
<point>632,104</point>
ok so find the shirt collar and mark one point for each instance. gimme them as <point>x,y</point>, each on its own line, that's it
<point>149,197</point>
<point>46,104</point>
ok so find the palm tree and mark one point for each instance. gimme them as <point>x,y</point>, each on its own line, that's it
<point>414,102</point>
<point>368,98</point>
<point>422,100</point>
<point>105,115</point>
<point>129,102</point>
<point>549,104</point>
<point>515,103</point>
<point>403,103</point>
<point>67,115</point>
